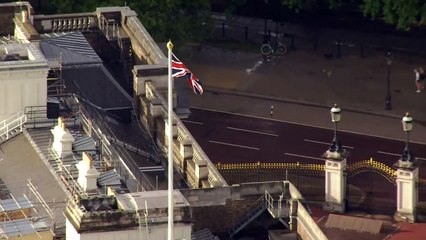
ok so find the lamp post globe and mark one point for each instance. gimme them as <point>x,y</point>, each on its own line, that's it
<point>407,122</point>
<point>335,118</point>
<point>335,113</point>
<point>407,126</point>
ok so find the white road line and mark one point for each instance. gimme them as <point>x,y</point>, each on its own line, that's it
<point>194,122</point>
<point>301,124</point>
<point>325,143</point>
<point>388,153</point>
<point>304,156</point>
<point>399,154</point>
<point>251,131</point>
<point>235,145</point>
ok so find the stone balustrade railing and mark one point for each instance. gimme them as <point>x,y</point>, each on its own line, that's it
<point>197,161</point>
<point>65,22</point>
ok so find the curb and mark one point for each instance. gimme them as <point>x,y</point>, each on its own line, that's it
<point>215,90</point>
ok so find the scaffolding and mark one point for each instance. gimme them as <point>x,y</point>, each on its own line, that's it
<point>19,217</point>
<point>55,81</point>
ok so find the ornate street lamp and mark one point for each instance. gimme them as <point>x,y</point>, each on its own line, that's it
<point>407,126</point>
<point>388,97</point>
<point>335,118</point>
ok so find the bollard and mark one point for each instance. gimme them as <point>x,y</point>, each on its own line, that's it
<point>315,43</point>
<point>339,49</point>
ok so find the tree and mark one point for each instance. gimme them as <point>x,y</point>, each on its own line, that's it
<point>179,20</point>
<point>298,5</point>
<point>402,13</point>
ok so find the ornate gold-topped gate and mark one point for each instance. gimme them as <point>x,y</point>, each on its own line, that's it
<point>367,180</point>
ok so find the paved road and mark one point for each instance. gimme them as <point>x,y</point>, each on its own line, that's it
<point>303,85</point>
<point>234,138</point>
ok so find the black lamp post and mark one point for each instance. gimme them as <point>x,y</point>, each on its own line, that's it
<point>407,126</point>
<point>388,97</point>
<point>335,118</point>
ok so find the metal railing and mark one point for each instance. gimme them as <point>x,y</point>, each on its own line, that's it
<point>123,162</point>
<point>320,168</point>
<point>352,169</point>
<point>259,207</point>
<point>15,121</point>
<point>371,165</point>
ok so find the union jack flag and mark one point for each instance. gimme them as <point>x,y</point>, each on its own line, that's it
<point>179,70</point>
<point>195,84</point>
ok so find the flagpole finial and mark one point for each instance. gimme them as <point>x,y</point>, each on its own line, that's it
<point>169,45</point>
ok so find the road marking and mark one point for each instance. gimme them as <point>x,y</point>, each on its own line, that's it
<point>399,154</point>
<point>194,122</point>
<point>302,124</point>
<point>235,145</point>
<point>251,131</point>
<point>325,143</point>
<point>304,156</point>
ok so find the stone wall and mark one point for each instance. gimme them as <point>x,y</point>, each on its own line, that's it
<point>219,219</point>
<point>6,21</point>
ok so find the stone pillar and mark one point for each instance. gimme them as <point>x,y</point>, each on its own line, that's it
<point>186,152</point>
<point>87,173</point>
<point>201,171</point>
<point>166,130</point>
<point>62,139</point>
<point>407,192</point>
<point>155,108</point>
<point>335,182</point>
<point>157,73</point>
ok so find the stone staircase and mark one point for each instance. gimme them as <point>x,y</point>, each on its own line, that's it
<point>277,209</point>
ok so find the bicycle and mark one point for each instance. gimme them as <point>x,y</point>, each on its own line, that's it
<point>279,48</point>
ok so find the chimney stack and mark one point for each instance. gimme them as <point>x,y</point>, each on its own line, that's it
<point>62,139</point>
<point>87,173</point>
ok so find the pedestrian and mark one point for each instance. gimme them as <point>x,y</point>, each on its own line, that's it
<point>422,78</point>
<point>418,80</point>
<point>272,110</point>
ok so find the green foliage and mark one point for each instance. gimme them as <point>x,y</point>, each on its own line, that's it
<point>402,13</point>
<point>179,20</point>
<point>298,5</point>
<point>233,6</point>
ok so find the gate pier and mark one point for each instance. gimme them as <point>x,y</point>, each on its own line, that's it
<point>407,176</point>
<point>335,182</point>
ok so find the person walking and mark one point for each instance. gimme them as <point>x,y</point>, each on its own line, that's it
<point>418,80</point>
<point>422,78</point>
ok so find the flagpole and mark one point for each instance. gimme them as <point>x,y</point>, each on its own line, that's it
<point>170,148</point>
